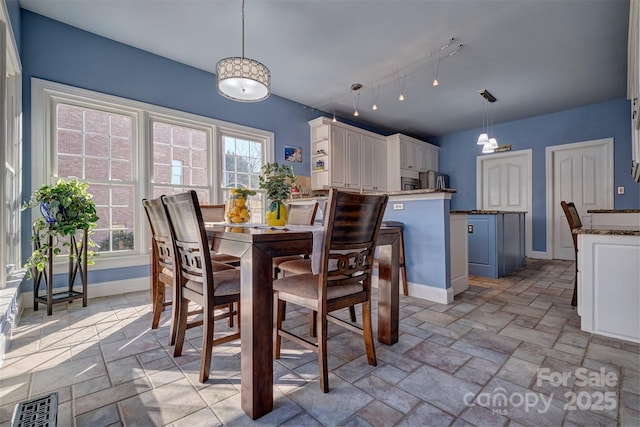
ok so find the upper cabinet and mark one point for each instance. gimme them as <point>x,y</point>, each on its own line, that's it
<point>344,156</point>
<point>407,157</point>
<point>633,83</point>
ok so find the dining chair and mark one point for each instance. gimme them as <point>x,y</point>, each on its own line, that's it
<point>571,213</point>
<point>162,274</point>
<point>215,213</point>
<point>195,279</point>
<point>351,229</point>
<point>298,214</point>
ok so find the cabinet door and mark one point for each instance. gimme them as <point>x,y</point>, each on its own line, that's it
<point>353,154</point>
<point>409,155</point>
<point>429,159</point>
<point>380,165</point>
<point>369,159</point>
<point>338,157</point>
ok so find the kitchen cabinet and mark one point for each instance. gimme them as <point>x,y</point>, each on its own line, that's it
<point>345,156</point>
<point>496,242</point>
<point>608,287</point>
<point>407,157</point>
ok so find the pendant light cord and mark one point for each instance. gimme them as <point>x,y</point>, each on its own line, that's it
<point>243,28</point>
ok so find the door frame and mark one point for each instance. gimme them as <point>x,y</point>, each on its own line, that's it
<point>528,156</point>
<point>550,151</point>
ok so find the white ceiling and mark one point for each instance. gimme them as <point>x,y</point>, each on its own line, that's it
<point>534,56</point>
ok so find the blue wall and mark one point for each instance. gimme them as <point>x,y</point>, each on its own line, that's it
<point>458,152</point>
<point>58,52</point>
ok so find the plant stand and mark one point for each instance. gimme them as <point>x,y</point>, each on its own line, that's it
<point>77,271</point>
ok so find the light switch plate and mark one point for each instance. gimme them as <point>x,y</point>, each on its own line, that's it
<point>398,206</point>
<point>620,190</point>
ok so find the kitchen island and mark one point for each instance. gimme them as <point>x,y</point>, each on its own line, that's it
<point>435,242</point>
<point>496,241</point>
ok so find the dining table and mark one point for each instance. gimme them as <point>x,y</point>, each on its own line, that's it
<point>256,245</point>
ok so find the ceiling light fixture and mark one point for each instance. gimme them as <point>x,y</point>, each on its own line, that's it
<point>374,107</point>
<point>489,144</point>
<point>243,79</point>
<point>401,97</point>
<point>355,89</point>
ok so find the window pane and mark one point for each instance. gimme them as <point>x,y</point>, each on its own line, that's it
<point>96,146</point>
<point>180,158</point>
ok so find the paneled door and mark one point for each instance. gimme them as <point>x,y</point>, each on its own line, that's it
<point>504,184</point>
<point>582,174</point>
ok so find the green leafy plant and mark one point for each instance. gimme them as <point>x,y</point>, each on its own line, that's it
<point>277,180</point>
<point>68,208</point>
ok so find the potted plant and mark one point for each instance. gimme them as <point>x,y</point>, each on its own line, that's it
<point>66,208</point>
<point>277,180</point>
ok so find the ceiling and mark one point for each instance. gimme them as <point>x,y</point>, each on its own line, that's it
<point>534,56</point>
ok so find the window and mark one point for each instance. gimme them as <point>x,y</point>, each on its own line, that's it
<point>96,146</point>
<point>243,160</point>
<point>180,153</point>
<point>10,153</point>
<point>127,150</point>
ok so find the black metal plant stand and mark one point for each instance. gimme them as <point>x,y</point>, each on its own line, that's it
<point>77,272</point>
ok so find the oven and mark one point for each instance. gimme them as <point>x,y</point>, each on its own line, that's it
<point>407,183</point>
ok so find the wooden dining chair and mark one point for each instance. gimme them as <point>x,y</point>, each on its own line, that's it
<point>195,280</point>
<point>298,214</point>
<point>352,225</point>
<point>162,274</point>
<point>571,213</point>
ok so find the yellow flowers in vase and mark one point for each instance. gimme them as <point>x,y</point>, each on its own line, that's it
<point>237,210</point>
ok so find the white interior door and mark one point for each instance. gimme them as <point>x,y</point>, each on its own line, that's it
<point>582,174</point>
<point>504,184</point>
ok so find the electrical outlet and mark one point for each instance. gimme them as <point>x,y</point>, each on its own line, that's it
<point>470,228</point>
<point>620,190</point>
<point>398,206</point>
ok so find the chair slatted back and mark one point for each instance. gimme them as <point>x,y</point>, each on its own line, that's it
<point>302,214</point>
<point>212,213</point>
<point>190,240</point>
<point>351,229</point>
<point>571,213</point>
<point>161,233</point>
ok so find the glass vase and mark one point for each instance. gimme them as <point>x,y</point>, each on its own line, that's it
<point>237,209</point>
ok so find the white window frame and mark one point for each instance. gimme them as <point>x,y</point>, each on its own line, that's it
<point>10,136</point>
<point>45,94</point>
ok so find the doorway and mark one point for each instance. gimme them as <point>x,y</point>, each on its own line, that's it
<point>581,173</point>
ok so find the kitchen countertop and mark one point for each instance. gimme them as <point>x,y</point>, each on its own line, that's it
<point>390,193</point>
<point>613,211</point>
<point>612,230</point>
<point>481,212</point>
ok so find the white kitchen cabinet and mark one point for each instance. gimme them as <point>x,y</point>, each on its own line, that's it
<point>407,157</point>
<point>608,286</point>
<point>374,163</point>
<point>345,156</point>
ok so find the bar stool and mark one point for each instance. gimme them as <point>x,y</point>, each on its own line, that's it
<point>403,270</point>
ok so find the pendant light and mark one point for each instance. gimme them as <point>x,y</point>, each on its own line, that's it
<point>489,144</point>
<point>243,79</point>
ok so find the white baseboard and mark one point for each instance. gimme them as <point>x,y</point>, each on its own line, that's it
<point>426,292</point>
<point>539,255</point>
<point>104,289</point>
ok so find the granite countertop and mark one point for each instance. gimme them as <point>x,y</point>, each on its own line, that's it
<point>481,212</point>
<point>612,230</point>
<point>390,193</point>
<point>613,211</point>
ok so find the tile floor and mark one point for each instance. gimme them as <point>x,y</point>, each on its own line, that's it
<point>506,352</point>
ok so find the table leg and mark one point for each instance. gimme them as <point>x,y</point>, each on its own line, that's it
<point>389,291</point>
<point>256,310</point>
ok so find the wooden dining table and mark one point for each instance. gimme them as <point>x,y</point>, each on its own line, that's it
<point>256,247</point>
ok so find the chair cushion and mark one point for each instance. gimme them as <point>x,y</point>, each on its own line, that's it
<point>298,266</point>
<point>280,259</point>
<point>220,257</point>
<point>306,286</point>
<point>220,266</point>
<point>227,282</point>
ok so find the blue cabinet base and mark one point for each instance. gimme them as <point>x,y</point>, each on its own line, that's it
<point>496,243</point>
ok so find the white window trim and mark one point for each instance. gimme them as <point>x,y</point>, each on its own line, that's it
<point>43,95</point>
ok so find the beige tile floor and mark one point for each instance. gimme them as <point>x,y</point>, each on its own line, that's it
<point>496,356</point>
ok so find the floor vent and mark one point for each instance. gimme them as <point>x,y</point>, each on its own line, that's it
<point>39,412</point>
